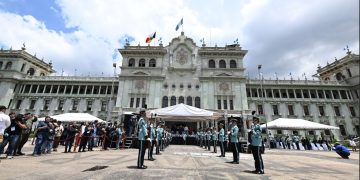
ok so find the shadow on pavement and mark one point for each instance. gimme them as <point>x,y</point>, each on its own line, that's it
<point>248,171</point>
<point>131,167</point>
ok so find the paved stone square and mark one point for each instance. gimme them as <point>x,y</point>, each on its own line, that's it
<point>180,162</point>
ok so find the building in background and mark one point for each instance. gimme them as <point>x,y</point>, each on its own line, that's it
<point>210,78</point>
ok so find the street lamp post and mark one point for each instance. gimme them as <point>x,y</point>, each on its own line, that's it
<point>111,95</point>
<point>263,103</point>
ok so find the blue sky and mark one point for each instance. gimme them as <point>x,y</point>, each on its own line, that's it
<point>43,10</point>
<point>283,36</point>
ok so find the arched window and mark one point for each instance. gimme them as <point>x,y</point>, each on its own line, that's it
<point>142,63</point>
<point>197,102</point>
<point>131,62</point>
<point>211,63</point>
<point>8,65</point>
<point>232,64</point>
<point>1,63</point>
<point>42,74</point>
<point>173,101</point>
<point>339,76</point>
<point>222,64</point>
<point>181,99</point>
<point>165,101</point>
<point>189,100</point>
<point>152,63</point>
<point>31,72</point>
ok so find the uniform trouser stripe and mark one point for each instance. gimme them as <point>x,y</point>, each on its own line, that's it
<point>149,152</point>
<point>215,144</point>
<point>237,153</point>
<point>222,148</point>
<point>139,155</point>
<point>261,165</point>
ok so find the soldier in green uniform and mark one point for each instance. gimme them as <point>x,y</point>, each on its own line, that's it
<point>256,142</point>
<point>234,140</point>
<point>142,133</point>
<point>222,139</point>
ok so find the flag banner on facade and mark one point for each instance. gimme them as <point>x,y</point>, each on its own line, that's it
<point>150,37</point>
<point>179,24</point>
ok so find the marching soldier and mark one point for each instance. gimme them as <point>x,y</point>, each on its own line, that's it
<point>221,140</point>
<point>142,133</point>
<point>256,142</point>
<point>234,141</point>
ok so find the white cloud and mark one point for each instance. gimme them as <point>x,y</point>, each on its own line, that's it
<point>281,35</point>
<point>66,51</point>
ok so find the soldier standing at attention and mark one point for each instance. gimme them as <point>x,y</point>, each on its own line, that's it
<point>296,140</point>
<point>201,137</point>
<point>152,140</point>
<point>221,140</point>
<point>256,145</point>
<point>208,138</point>
<point>214,139</point>
<point>204,137</point>
<point>142,133</point>
<point>234,141</point>
<point>158,139</point>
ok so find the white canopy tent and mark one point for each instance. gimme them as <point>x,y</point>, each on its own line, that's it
<point>296,124</point>
<point>183,112</point>
<point>74,117</point>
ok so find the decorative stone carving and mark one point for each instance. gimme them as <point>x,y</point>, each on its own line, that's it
<point>182,56</point>
<point>140,84</point>
<point>224,86</point>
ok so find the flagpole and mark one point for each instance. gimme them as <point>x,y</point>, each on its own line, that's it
<point>182,24</point>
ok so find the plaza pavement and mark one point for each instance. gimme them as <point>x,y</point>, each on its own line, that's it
<point>179,162</point>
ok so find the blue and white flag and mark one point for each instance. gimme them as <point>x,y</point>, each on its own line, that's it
<point>179,24</point>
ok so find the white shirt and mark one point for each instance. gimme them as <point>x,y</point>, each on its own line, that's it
<point>4,122</point>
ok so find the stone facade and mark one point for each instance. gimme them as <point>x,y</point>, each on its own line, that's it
<point>210,78</point>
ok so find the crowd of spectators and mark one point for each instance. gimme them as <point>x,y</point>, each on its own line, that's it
<point>16,129</point>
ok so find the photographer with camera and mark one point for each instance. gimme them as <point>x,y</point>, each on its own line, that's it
<point>12,134</point>
<point>28,121</point>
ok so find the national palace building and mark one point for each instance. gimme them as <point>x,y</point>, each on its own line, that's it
<point>210,78</point>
